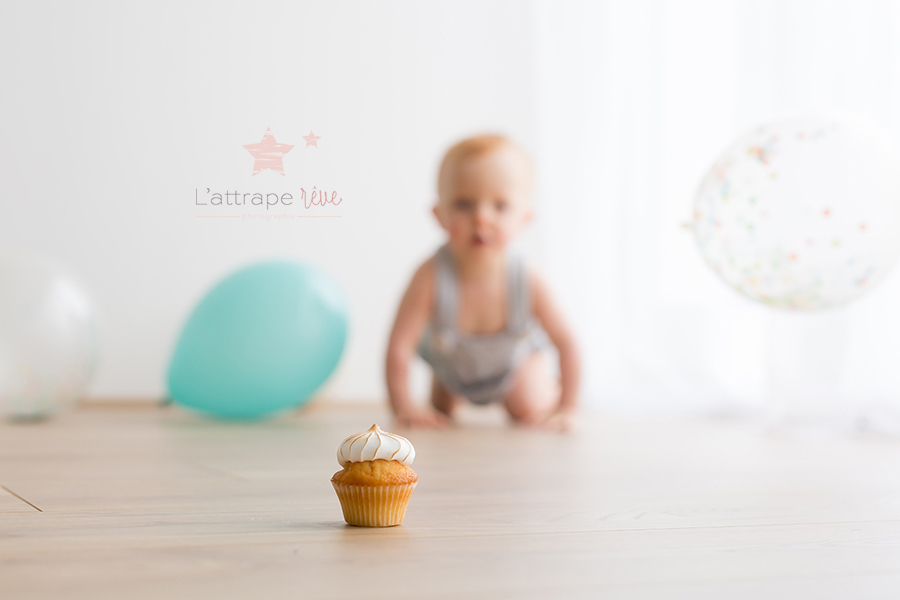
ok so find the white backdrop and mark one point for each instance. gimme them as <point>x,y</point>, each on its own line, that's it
<point>114,113</point>
<point>635,100</point>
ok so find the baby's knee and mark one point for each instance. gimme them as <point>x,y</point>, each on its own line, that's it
<point>524,407</point>
<point>523,414</point>
<point>441,399</point>
<point>535,393</point>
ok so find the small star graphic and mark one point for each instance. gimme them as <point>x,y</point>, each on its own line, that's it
<point>268,154</point>
<point>311,139</point>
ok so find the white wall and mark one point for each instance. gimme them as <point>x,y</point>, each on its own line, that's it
<point>113,113</point>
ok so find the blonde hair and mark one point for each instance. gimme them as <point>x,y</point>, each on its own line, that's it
<point>476,147</point>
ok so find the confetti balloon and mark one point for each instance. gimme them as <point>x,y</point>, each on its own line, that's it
<point>48,339</point>
<point>802,214</point>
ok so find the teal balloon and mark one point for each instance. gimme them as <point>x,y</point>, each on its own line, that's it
<point>262,340</point>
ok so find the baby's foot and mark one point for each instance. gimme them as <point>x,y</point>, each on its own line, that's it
<point>421,417</point>
<point>560,420</point>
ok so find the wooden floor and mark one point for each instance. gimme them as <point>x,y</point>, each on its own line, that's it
<point>150,503</point>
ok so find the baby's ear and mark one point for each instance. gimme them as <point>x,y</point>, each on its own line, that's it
<point>435,210</point>
<point>529,215</point>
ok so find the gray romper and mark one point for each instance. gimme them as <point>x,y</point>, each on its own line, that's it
<point>480,367</point>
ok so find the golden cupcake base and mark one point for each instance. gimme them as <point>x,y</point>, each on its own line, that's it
<point>374,505</point>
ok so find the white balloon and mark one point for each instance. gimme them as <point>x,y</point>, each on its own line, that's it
<point>48,339</point>
<point>802,214</point>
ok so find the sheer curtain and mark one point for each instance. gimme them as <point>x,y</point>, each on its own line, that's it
<point>635,100</point>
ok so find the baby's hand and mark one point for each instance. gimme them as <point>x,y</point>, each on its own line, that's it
<point>421,417</point>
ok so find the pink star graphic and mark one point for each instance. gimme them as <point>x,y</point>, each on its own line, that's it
<point>311,139</point>
<point>268,153</point>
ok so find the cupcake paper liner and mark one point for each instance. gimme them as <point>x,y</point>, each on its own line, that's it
<point>374,505</point>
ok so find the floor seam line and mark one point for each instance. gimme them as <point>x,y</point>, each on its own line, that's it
<point>21,498</point>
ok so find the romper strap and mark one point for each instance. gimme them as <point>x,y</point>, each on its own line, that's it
<point>519,298</point>
<point>446,292</point>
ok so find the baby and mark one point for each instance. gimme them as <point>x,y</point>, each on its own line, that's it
<point>473,311</point>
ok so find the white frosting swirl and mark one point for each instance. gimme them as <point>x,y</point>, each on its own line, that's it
<point>374,444</point>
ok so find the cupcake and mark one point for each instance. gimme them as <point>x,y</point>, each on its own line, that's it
<point>376,481</point>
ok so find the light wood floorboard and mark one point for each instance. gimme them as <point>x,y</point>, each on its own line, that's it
<point>156,502</point>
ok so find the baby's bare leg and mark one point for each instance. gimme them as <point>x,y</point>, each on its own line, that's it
<point>442,400</point>
<point>535,394</point>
